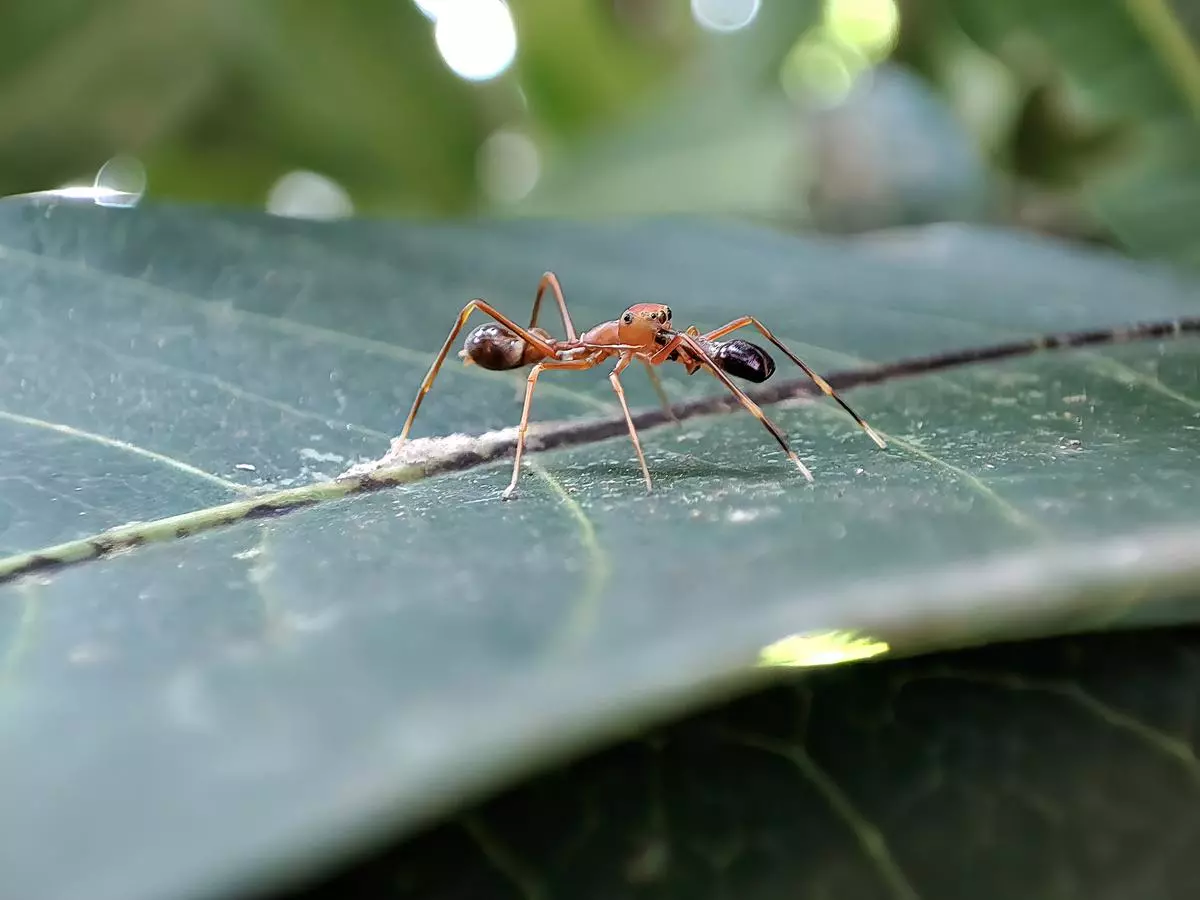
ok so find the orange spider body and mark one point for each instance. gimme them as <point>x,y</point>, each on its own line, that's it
<point>643,332</point>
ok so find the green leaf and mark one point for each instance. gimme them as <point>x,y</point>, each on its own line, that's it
<point>580,63</point>
<point>1050,768</point>
<point>221,99</point>
<point>719,137</point>
<point>689,153</point>
<point>1132,74</point>
<point>212,707</point>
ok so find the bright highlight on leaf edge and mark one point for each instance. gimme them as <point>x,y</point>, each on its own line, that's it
<point>820,648</point>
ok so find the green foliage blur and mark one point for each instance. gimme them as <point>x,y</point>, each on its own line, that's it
<point>1069,117</point>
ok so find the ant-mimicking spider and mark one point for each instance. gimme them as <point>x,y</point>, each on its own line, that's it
<point>643,332</point>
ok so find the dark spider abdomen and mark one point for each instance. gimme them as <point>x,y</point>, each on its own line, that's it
<point>744,360</point>
<point>493,346</point>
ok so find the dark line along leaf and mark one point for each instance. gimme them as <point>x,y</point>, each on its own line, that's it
<point>416,460</point>
<point>281,690</point>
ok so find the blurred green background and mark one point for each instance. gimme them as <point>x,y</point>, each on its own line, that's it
<point>1063,116</point>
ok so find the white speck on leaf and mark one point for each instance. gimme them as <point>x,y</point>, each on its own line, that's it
<point>90,654</point>
<point>315,621</point>
<point>318,456</point>
<point>748,515</point>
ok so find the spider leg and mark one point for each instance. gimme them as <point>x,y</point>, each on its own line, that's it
<point>550,280</point>
<point>486,308</point>
<point>663,399</point>
<point>626,359</point>
<point>749,404</point>
<point>530,383</point>
<point>820,382</point>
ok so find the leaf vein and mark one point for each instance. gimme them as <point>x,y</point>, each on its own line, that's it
<point>488,447</point>
<point>502,858</point>
<point>870,838</point>
<point>234,390</point>
<point>585,607</point>
<point>125,446</point>
<point>293,327</point>
<point>1164,743</point>
<point>22,634</point>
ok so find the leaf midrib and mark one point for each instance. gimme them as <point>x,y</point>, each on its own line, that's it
<point>492,446</point>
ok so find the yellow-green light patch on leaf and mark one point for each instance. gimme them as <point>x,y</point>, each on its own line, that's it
<point>820,648</point>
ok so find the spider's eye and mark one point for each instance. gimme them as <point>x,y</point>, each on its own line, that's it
<point>627,318</point>
<point>667,313</point>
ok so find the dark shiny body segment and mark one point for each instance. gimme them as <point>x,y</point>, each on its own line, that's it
<point>744,360</point>
<point>492,346</point>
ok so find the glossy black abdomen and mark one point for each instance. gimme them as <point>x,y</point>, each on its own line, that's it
<point>492,346</point>
<point>744,360</point>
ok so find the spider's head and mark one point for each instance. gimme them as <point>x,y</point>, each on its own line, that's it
<point>642,322</point>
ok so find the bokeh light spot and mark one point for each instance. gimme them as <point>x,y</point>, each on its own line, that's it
<point>308,195</point>
<point>509,166</point>
<point>725,15</point>
<point>431,8</point>
<point>477,38</point>
<point>870,25</point>
<point>821,69</point>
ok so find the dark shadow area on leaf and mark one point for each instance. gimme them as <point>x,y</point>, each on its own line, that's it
<point>1008,771</point>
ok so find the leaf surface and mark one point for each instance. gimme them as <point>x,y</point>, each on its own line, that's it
<point>281,689</point>
<point>1063,767</point>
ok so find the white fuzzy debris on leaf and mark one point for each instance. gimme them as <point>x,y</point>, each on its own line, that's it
<point>417,451</point>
